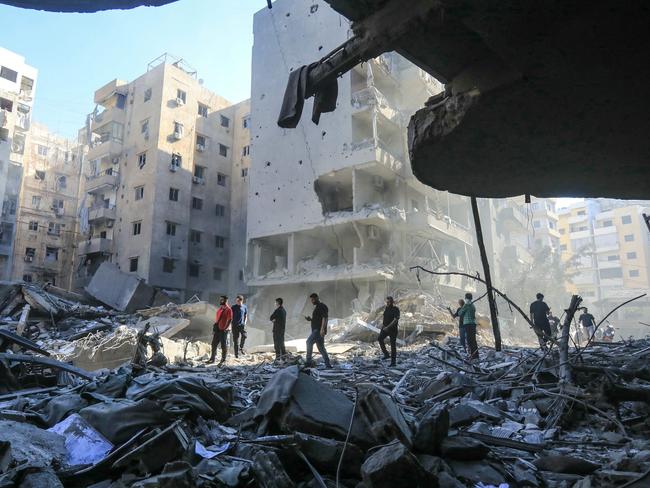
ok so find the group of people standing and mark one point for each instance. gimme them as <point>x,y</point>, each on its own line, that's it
<point>466,315</point>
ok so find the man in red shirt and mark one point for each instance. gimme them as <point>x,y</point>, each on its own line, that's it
<point>220,330</point>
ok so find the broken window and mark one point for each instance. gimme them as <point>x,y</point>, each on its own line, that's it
<point>626,219</point>
<point>177,160</point>
<point>221,179</point>
<point>6,104</point>
<point>36,202</point>
<point>223,150</point>
<point>199,171</point>
<point>58,206</point>
<point>142,159</point>
<point>335,191</point>
<point>220,210</point>
<point>197,203</point>
<point>30,252</point>
<point>54,228</point>
<point>173,194</point>
<point>246,150</point>
<point>133,264</point>
<point>171,228</point>
<point>39,175</point>
<point>219,242</point>
<point>217,274</point>
<point>144,128</point>
<point>8,74</point>
<point>147,94</point>
<point>201,143</point>
<point>194,270</point>
<point>137,228</point>
<point>41,150</point>
<point>51,254</point>
<point>203,110</point>
<point>33,225</point>
<point>139,192</point>
<point>246,122</point>
<point>195,236</point>
<point>181,96</point>
<point>27,278</point>
<point>225,121</point>
<point>167,265</point>
<point>178,130</point>
<point>61,182</point>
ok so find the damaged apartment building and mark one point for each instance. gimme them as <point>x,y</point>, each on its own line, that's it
<point>17,84</point>
<point>46,233</point>
<point>166,157</point>
<point>334,208</point>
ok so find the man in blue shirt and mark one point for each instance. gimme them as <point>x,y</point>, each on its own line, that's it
<point>239,320</point>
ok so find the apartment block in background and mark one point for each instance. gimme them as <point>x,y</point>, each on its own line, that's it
<point>159,179</point>
<point>334,208</point>
<point>17,84</point>
<point>607,242</point>
<point>46,235</point>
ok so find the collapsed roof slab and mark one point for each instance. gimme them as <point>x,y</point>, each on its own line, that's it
<point>83,5</point>
<point>542,98</point>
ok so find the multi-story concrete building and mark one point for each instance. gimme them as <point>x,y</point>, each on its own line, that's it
<point>159,179</point>
<point>47,211</point>
<point>17,84</point>
<point>607,243</point>
<point>334,208</point>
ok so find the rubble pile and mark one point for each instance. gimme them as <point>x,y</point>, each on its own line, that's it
<point>159,420</point>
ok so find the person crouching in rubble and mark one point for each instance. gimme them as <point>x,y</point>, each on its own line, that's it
<point>220,330</point>
<point>279,319</point>
<point>539,311</point>
<point>389,329</point>
<point>461,327</point>
<point>318,321</point>
<point>468,311</point>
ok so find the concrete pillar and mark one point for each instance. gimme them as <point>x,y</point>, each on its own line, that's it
<point>291,253</point>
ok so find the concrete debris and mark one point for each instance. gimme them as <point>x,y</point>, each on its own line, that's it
<point>139,407</point>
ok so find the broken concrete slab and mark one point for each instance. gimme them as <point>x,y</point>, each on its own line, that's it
<point>431,430</point>
<point>393,465</point>
<point>164,326</point>
<point>121,291</point>
<point>382,415</point>
<point>326,454</point>
<point>463,449</point>
<point>31,444</point>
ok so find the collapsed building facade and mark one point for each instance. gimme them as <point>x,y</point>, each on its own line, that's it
<point>166,156</point>
<point>335,208</point>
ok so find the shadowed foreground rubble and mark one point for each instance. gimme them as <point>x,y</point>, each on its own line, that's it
<point>163,419</point>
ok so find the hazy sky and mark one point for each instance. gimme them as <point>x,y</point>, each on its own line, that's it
<point>77,53</point>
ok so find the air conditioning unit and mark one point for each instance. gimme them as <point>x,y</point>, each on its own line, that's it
<point>28,259</point>
<point>378,182</point>
<point>177,135</point>
<point>200,147</point>
<point>373,232</point>
<point>180,102</point>
<point>173,168</point>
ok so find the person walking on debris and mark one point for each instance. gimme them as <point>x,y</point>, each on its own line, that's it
<point>279,319</point>
<point>468,312</point>
<point>239,321</point>
<point>588,323</point>
<point>220,330</point>
<point>539,311</point>
<point>461,327</point>
<point>389,329</point>
<point>554,320</point>
<point>318,321</point>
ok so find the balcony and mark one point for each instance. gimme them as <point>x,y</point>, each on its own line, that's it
<point>512,219</point>
<point>375,151</point>
<point>599,231</point>
<point>104,147</point>
<point>113,114</point>
<point>371,97</point>
<point>443,224</point>
<point>101,214</point>
<point>110,88</point>
<point>107,180</point>
<point>95,245</point>
<point>577,219</point>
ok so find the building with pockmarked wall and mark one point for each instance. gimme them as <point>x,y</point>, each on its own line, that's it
<point>165,154</point>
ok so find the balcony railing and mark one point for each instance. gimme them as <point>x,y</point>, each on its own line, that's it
<point>372,97</point>
<point>105,180</point>
<point>101,212</point>
<point>95,245</point>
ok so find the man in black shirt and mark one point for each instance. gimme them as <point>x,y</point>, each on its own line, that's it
<point>539,316</point>
<point>389,329</point>
<point>279,319</point>
<point>588,323</point>
<point>318,321</point>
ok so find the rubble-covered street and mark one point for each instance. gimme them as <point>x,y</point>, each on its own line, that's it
<point>157,416</point>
